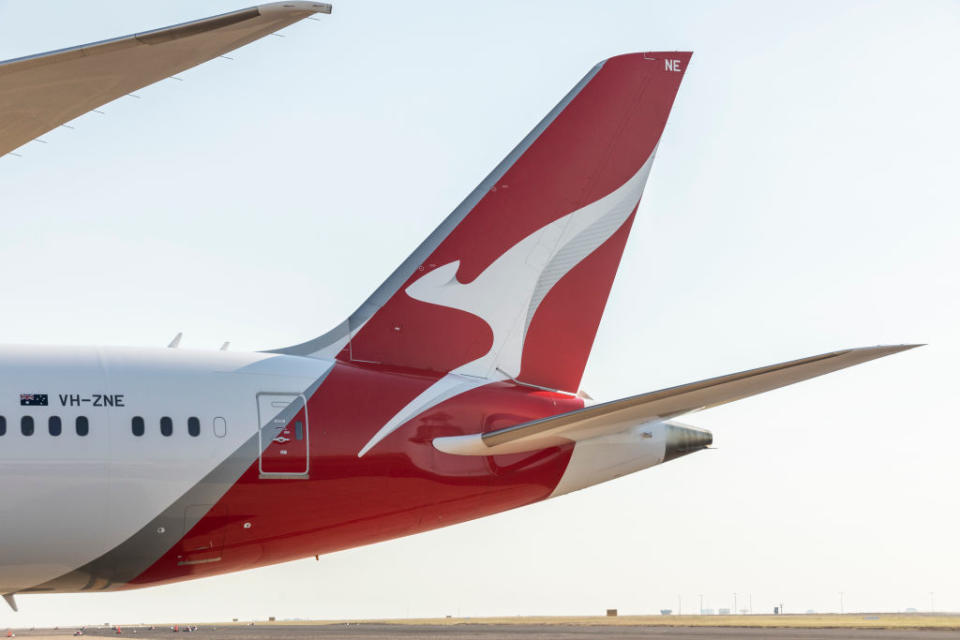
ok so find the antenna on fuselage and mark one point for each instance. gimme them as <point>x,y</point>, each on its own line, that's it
<point>176,341</point>
<point>10,601</point>
<point>225,346</point>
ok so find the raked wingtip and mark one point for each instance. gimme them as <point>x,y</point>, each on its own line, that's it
<point>897,348</point>
<point>883,350</point>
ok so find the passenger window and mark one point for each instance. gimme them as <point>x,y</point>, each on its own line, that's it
<point>26,425</point>
<point>55,425</point>
<point>193,426</point>
<point>166,426</point>
<point>137,425</point>
<point>83,426</point>
<point>3,425</point>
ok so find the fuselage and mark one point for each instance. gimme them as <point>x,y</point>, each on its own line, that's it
<point>129,467</point>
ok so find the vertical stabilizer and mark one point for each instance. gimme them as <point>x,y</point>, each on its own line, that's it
<point>514,282</point>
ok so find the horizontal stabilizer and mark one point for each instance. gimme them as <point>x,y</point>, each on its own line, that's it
<point>619,415</point>
<point>41,92</point>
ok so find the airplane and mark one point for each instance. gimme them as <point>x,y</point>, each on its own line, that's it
<point>451,393</point>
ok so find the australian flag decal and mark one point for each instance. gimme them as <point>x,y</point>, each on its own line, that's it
<point>33,399</point>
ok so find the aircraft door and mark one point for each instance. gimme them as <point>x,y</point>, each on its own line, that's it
<point>284,435</point>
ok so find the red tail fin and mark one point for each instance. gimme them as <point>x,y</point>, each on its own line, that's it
<point>514,281</point>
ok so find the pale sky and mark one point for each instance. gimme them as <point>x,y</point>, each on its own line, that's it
<point>803,199</point>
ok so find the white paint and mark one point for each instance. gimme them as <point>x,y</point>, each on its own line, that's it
<point>68,499</point>
<point>443,389</point>
<point>610,456</point>
<point>508,292</point>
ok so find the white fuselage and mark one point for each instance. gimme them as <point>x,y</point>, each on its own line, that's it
<point>69,498</point>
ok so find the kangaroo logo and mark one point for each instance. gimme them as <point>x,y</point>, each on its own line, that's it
<point>507,294</point>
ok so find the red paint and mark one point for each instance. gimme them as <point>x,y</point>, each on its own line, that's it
<point>402,486</point>
<point>421,336</point>
<point>602,138</point>
<point>569,315</point>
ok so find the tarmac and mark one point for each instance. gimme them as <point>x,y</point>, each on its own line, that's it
<point>374,631</point>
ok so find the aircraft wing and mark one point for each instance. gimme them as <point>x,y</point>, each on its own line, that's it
<point>619,415</point>
<point>41,92</point>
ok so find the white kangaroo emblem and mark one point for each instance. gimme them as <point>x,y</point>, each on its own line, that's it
<point>507,294</point>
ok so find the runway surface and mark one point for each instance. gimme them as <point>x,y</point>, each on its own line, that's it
<point>514,632</point>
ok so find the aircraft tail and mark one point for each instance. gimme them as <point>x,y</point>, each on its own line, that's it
<point>514,282</point>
